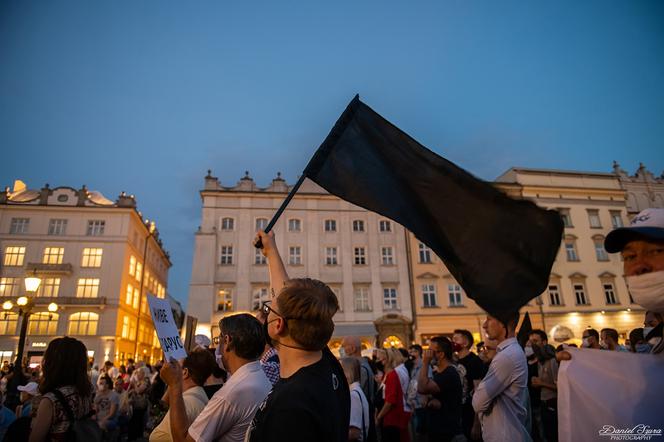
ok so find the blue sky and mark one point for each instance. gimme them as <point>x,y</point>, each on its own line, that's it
<point>146,96</point>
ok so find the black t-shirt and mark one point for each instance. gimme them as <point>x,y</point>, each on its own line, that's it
<point>311,405</point>
<point>474,369</point>
<point>447,419</point>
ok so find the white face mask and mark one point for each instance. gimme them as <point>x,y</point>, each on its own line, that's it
<point>648,290</point>
<point>585,343</point>
<point>529,351</point>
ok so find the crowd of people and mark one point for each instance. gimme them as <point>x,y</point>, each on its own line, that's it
<point>273,377</point>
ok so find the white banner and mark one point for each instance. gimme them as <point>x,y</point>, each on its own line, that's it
<point>611,395</point>
<point>167,332</point>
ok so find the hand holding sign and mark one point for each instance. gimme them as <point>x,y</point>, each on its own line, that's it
<point>168,335</point>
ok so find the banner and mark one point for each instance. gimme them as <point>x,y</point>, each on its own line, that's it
<point>167,332</point>
<point>610,395</point>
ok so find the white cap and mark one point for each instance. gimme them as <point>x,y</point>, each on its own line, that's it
<point>31,388</point>
<point>648,224</point>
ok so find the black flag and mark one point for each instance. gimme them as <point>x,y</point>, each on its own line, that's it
<point>499,249</point>
<point>524,331</point>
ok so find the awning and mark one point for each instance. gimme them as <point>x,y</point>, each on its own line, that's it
<point>354,329</point>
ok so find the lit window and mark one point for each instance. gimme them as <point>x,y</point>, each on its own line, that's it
<point>224,300</point>
<point>8,322</point>
<point>384,225</point>
<point>10,286</point>
<point>49,288</point>
<point>57,226</point>
<point>129,295</point>
<point>386,256</point>
<point>429,295</point>
<point>261,224</point>
<point>389,298</point>
<point>92,257</point>
<point>53,255</point>
<point>294,225</point>
<point>358,225</point>
<point>425,254</point>
<point>139,271</point>
<point>19,226</point>
<point>95,227</point>
<point>360,254</point>
<point>616,220</point>
<point>87,288</point>
<point>610,294</point>
<point>593,219</point>
<point>83,323</point>
<point>259,257</point>
<point>260,295</point>
<point>566,217</point>
<point>331,256</point>
<point>226,255</point>
<point>227,224</point>
<point>361,299</point>
<point>132,265</point>
<point>454,293</point>
<point>580,294</point>
<point>600,252</point>
<point>554,295</point>
<point>128,328</point>
<point>43,323</point>
<point>295,255</point>
<point>570,250</point>
<point>330,225</point>
<point>14,256</point>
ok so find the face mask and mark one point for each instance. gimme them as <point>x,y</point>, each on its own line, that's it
<point>586,343</point>
<point>643,348</point>
<point>342,352</point>
<point>647,290</point>
<point>268,339</point>
<point>529,351</point>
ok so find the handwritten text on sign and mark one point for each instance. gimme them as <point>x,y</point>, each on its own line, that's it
<point>164,324</point>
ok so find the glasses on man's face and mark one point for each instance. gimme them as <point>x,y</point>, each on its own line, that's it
<point>266,309</point>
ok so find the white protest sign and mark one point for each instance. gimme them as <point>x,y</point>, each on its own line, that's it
<point>164,324</point>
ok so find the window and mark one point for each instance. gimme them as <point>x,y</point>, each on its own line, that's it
<point>8,322</point>
<point>386,256</point>
<point>570,250</point>
<point>226,255</point>
<point>331,256</point>
<point>87,288</point>
<point>43,323</point>
<point>53,255</point>
<point>92,257</point>
<point>259,258</point>
<point>128,328</point>
<point>224,300</point>
<point>261,224</point>
<point>429,295</point>
<point>132,265</point>
<point>389,298</point>
<point>358,225</point>
<point>361,299</point>
<point>360,256</point>
<point>139,271</point>
<point>454,293</point>
<point>580,294</point>
<point>294,225</point>
<point>384,225</point>
<point>129,295</point>
<point>227,224</point>
<point>566,217</point>
<point>260,295</point>
<point>295,255</point>
<point>425,254</point>
<point>95,227</point>
<point>330,225</point>
<point>616,219</point>
<point>49,288</point>
<point>593,219</point>
<point>554,295</point>
<point>83,323</point>
<point>10,286</point>
<point>57,226</point>
<point>19,226</point>
<point>14,255</point>
<point>610,294</point>
<point>600,252</point>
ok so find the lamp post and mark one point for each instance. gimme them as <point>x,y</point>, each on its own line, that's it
<point>151,229</point>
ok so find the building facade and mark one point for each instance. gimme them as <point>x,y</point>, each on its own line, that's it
<point>96,258</point>
<point>359,254</point>
<point>643,189</point>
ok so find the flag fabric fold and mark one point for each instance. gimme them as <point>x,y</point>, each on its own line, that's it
<point>499,249</point>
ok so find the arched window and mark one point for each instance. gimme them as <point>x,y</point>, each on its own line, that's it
<point>43,323</point>
<point>261,224</point>
<point>83,323</point>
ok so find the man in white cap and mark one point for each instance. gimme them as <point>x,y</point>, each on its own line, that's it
<point>28,392</point>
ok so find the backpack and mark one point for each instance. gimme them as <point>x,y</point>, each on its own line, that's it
<point>80,430</point>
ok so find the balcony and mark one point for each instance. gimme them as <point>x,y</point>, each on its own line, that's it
<point>62,301</point>
<point>50,269</point>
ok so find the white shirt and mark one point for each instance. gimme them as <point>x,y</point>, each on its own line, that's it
<point>359,410</point>
<point>230,411</point>
<point>501,397</point>
<point>195,400</point>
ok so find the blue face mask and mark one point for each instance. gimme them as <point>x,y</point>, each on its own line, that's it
<point>643,348</point>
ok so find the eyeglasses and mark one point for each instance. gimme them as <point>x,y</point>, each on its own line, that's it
<point>266,309</point>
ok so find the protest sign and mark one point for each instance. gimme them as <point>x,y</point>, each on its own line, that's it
<point>610,395</point>
<point>164,324</point>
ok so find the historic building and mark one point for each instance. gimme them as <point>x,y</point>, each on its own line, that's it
<point>643,189</point>
<point>96,258</point>
<point>359,254</point>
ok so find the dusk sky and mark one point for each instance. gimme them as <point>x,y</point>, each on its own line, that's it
<point>145,96</point>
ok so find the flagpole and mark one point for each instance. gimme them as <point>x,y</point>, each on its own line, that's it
<point>258,244</point>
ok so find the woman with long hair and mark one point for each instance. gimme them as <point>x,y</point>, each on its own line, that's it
<point>392,417</point>
<point>64,375</point>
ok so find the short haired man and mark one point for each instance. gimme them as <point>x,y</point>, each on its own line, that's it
<point>311,402</point>
<point>353,348</point>
<point>501,399</point>
<point>445,388</point>
<point>590,338</point>
<point>474,374</point>
<point>545,383</point>
<point>609,337</point>
<point>416,400</point>
<point>228,414</point>
<point>196,368</point>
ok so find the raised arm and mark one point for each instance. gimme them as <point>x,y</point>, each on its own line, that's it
<point>278,275</point>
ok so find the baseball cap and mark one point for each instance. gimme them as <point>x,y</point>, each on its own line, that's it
<point>648,224</point>
<point>31,388</point>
